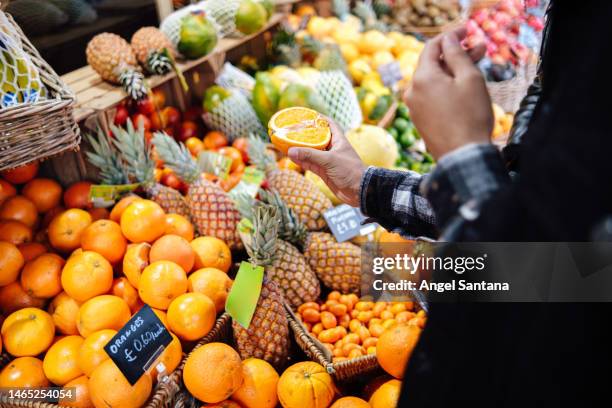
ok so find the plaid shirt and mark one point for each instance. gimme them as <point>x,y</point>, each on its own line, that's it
<point>414,205</point>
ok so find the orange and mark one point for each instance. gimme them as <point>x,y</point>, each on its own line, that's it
<point>306,384</point>
<point>135,260</point>
<point>170,357</point>
<point>223,404</point>
<point>86,274</point>
<point>375,384</point>
<point>98,213</point>
<point>91,353</point>
<point>214,140</point>
<point>66,229</point>
<point>387,395</point>
<point>194,145</point>
<point>299,127</point>
<point>105,238</point>
<point>108,388</point>
<point>213,372</point>
<point>211,252</point>
<point>6,190</point>
<point>22,174</point>
<point>31,250</point>
<point>15,232</point>
<point>173,248</point>
<point>77,195</point>
<point>119,208</point>
<point>350,402</point>
<point>44,193</point>
<point>19,208</point>
<point>60,362</point>
<point>41,276</point>
<point>395,346</point>
<point>80,399</point>
<point>23,372</point>
<point>102,312</point>
<point>234,155</point>
<point>64,310</point>
<point>27,332</point>
<point>258,390</point>
<point>161,315</point>
<point>178,225</point>
<point>13,297</point>
<point>213,283</point>
<point>287,163</point>
<point>143,221</point>
<point>123,289</point>
<point>160,283</point>
<point>191,316</point>
<point>11,262</point>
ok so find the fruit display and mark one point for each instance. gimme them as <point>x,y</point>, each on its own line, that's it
<point>299,127</point>
<point>197,36</point>
<point>424,13</point>
<point>238,17</point>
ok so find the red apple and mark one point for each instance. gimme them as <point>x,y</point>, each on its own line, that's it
<point>480,16</point>
<point>188,129</point>
<point>498,59</point>
<point>121,116</point>
<point>141,120</point>
<point>172,117</point>
<point>499,37</point>
<point>489,26</point>
<point>193,114</point>
<point>502,18</point>
<point>145,106</point>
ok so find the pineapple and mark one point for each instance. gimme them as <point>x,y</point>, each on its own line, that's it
<point>113,58</point>
<point>337,264</point>
<point>289,269</point>
<point>212,210</point>
<point>106,159</point>
<point>327,56</point>
<point>153,50</point>
<point>138,160</point>
<point>267,337</point>
<point>300,194</point>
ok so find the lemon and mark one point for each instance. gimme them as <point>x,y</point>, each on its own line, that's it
<point>358,69</point>
<point>350,52</point>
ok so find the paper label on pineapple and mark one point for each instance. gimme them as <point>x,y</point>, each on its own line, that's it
<point>104,195</point>
<point>249,184</point>
<point>242,299</point>
<point>390,73</point>
<point>214,163</point>
<point>345,221</point>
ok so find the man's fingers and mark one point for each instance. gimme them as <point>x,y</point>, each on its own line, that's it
<point>429,61</point>
<point>477,52</point>
<point>309,158</point>
<point>457,60</point>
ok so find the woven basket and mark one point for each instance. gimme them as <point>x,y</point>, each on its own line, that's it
<point>34,131</point>
<point>167,393</point>
<point>508,94</point>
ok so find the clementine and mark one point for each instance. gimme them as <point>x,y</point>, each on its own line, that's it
<point>387,395</point>
<point>178,225</point>
<point>44,193</point>
<point>91,353</point>
<point>173,248</point>
<point>31,250</point>
<point>26,372</point>
<point>102,312</point>
<point>11,262</point>
<point>211,252</point>
<point>19,208</point>
<point>105,238</point>
<point>15,232</point>
<point>80,397</point>
<point>258,390</point>
<point>119,208</point>
<point>123,289</point>
<point>27,332</point>
<point>160,283</point>
<point>41,276</point>
<point>136,259</point>
<point>191,316</point>
<point>21,174</point>
<point>13,297</point>
<point>223,369</point>
<point>306,385</point>
<point>108,388</point>
<point>77,195</point>
<point>7,190</point>
<point>395,346</point>
<point>143,221</point>
<point>213,283</point>
<point>60,362</point>
<point>66,229</point>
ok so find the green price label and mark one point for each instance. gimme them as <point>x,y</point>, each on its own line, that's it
<point>103,195</point>
<point>249,183</point>
<point>243,296</point>
<point>214,163</point>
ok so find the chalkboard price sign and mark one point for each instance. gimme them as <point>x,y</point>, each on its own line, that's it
<point>344,221</point>
<point>138,344</point>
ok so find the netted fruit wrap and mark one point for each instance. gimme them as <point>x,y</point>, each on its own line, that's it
<point>340,99</point>
<point>235,117</point>
<point>224,13</point>
<point>19,78</point>
<point>171,26</point>
<point>236,79</point>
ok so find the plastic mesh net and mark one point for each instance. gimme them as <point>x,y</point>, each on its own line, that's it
<point>235,117</point>
<point>236,79</point>
<point>19,78</point>
<point>171,26</point>
<point>340,99</point>
<point>224,13</point>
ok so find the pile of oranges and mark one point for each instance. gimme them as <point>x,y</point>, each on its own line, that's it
<point>71,276</point>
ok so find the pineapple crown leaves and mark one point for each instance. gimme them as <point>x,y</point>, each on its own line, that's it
<point>133,82</point>
<point>245,205</point>
<point>341,8</point>
<point>176,156</point>
<point>259,154</point>
<point>135,154</point>
<point>291,229</point>
<point>261,243</point>
<point>106,159</point>
<point>160,62</point>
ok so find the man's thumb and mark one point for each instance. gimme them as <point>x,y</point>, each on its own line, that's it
<point>307,157</point>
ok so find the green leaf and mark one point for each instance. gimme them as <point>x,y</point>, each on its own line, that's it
<point>242,299</point>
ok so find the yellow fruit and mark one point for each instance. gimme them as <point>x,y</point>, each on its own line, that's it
<point>381,58</point>
<point>323,187</point>
<point>60,362</point>
<point>350,52</point>
<point>299,127</point>
<point>346,35</point>
<point>373,41</point>
<point>306,385</point>
<point>358,69</point>
<point>319,27</point>
<point>374,145</point>
<point>387,395</point>
<point>26,372</point>
<point>27,332</point>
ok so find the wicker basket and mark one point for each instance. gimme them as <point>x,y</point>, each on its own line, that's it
<point>167,394</point>
<point>508,94</point>
<point>34,131</point>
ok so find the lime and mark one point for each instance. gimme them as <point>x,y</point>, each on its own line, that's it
<point>393,132</point>
<point>403,112</point>
<point>401,124</point>
<point>407,139</point>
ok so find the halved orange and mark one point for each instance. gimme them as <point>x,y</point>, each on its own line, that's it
<point>299,127</point>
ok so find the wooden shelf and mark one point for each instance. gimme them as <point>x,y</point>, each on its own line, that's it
<point>94,94</point>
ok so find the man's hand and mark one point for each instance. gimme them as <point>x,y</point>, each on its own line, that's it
<point>340,166</point>
<point>448,99</point>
